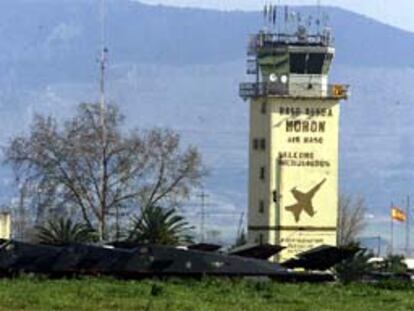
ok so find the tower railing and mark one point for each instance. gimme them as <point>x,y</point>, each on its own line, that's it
<point>259,89</point>
<point>263,40</point>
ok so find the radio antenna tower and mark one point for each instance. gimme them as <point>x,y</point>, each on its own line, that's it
<point>102,66</point>
<point>318,19</point>
<point>102,62</point>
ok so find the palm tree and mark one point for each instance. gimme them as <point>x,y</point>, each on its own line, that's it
<point>354,268</point>
<point>162,226</point>
<point>64,231</point>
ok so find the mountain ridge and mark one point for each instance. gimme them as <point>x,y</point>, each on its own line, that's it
<point>183,72</point>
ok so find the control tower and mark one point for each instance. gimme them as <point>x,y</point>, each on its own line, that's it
<point>294,134</point>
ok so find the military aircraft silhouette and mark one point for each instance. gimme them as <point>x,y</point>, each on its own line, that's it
<point>304,201</point>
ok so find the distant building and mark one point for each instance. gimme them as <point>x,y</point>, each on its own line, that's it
<point>5,226</point>
<point>409,262</point>
<point>294,130</point>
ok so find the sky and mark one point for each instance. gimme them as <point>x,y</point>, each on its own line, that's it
<point>398,13</point>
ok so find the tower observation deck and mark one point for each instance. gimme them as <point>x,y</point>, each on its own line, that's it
<point>294,138</point>
<point>291,65</point>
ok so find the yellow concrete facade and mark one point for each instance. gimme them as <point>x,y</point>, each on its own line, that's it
<point>293,174</point>
<point>5,226</point>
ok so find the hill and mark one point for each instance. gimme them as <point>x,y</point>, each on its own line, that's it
<point>181,68</point>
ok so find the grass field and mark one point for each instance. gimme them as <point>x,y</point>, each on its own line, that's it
<point>210,294</point>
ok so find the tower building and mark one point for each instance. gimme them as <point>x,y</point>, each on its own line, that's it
<point>294,135</point>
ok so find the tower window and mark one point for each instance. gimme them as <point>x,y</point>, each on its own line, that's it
<point>275,196</point>
<point>315,63</point>
<point>264,108</point>
<point>262,173</point>
<point>260,238</point>
<point>261,206</point>
<point>298,62</point>
<point>259,144</point>
<point>307,63</point>
<point>255,144</point>
<point>263,144</point>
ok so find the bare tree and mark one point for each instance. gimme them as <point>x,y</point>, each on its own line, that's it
<point>63,164</point>
<point>351,219</point>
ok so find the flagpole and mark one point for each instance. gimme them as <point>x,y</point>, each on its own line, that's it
<point>407,228</point>
<point>379,246</point>
<point>392,232</point>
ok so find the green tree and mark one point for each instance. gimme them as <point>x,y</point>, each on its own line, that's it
<point>162,226</point>
<point>394,264</point>
<point>64,231</point>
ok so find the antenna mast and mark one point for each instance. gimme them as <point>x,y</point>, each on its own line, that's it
<point>318,20</point>
<point>102,65</point>
<point>102,61</point>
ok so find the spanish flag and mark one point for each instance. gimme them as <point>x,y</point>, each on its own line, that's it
<point>398,214</point>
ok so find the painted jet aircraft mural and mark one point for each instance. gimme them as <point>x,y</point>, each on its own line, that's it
<point>304,201</point>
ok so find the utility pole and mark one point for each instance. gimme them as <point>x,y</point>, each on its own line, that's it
<point>203,196</point>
